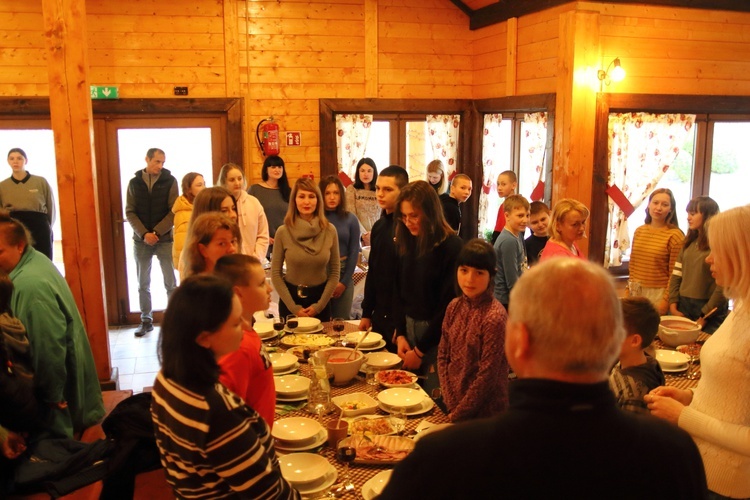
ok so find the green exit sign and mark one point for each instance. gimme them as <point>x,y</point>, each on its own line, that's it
<point>99,92</point>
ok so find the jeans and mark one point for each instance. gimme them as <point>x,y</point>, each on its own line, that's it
<point>144,255</point>
<point>415,329</point>
<point>342,307</point>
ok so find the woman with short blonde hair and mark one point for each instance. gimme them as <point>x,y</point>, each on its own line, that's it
<point>567,225</point>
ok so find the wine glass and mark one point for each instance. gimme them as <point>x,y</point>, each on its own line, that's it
<point>278,325</point>
<point>693,353</point>
<point>337,324</point>
<point>292,322</point>
<point>345,453</point>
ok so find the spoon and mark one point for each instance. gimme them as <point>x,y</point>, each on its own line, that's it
<point>356,347</point>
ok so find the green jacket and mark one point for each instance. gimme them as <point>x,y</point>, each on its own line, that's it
<point>63,363</point>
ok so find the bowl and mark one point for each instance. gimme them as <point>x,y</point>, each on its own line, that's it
<point>343,371</point>
<point>282,361</point>
<point>303,468</point>
<point>355,404</point>
<point>382,360</point>
<point>264,329</point>
<point>670,359</point>
<point>676,330</point>
<point>307,324</point>
<point>370,341</point>
<point>295,429</point>
<point>401,397</point>
<point>291,385</point>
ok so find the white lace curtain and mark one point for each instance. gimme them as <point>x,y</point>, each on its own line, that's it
<point>443,133</point>
<point>534,144</point>
<point>492,145</point>
<point>642,147</point>
<point>352,134</point>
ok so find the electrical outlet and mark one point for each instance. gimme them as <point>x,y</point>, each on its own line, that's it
<point>180,91</point>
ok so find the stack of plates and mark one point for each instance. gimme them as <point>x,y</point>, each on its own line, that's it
<point>291,388</point>
<point>283,363</point>
<point>412,401</point>
<point>373,342</point>
<point>375,485</point>
<point>671,361</point>
<point>265,330</point>
<point>308,473</point>
<point>298,434</point>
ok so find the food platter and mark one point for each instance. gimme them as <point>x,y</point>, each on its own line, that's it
<point>379,450</point>
<point>395,378</point>
<point>304,339</point>
<point>371,425</point>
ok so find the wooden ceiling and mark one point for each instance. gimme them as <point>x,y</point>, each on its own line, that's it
<point>488,12</point>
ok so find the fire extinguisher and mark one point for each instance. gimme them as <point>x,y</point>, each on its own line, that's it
<point>267,135</point>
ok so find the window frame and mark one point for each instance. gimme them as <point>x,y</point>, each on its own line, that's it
<point>708,110</point>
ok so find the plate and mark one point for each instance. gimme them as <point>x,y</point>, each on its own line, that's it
<point>264,329</point>
<point>401,397</point>
<point>319,440</point>
<point>304,339</point>
<point>375,485</point>
<point>307,325</point>
<point>362,424</point>
<point>270,336</point>
<point>386,373</point>
<point>377,346</point>
<point>329,480</point>
<point>295,430</point>
<point>291,370</point>
<point>372,339</point>
<point>299,331</point>
<point>670,359</point>
<point>303,468</point>
<point>675,369</point>
<point>426,406</point>
<point>400,446</point>
<point>382,360</point>
<point>295,399</point>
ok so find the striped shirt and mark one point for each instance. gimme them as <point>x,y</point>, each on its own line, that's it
<point>212,445</point>
<point>654,253</point>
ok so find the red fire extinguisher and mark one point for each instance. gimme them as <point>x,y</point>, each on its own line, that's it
<point>267,135</point>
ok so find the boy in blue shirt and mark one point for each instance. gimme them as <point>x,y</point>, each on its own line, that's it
<point>509,247</point>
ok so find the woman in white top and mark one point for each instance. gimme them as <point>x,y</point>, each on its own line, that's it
<point>717,412</point>
<point>361,198</point>
<point>251,217</point>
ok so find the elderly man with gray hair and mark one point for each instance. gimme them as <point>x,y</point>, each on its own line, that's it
<point>563,435</point>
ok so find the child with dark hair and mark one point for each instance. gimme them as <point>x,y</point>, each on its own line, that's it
<point>472,366</point>
<point>538,222</point>
<point>636,373</point>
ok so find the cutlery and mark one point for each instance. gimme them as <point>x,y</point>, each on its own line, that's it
<point>356,347</point>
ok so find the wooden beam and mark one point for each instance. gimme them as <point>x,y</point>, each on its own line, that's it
<point>463,7</point>
<point>506,9</point>
<point>72,126</point>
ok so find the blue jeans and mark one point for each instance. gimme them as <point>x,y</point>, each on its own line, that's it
<point>342,307</point>
<point>144,255</point>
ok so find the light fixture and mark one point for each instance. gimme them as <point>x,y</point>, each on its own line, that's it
<point>617,74</point>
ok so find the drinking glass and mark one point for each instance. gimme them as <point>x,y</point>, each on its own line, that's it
<point>278,325</point>
<point>371,375</point>
<point>634,288</point>
<point>337,325</point>
<point>398,419</point>
<point>693,353</point>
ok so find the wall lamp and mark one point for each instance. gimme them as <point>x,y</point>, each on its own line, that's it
<point>616,75</point>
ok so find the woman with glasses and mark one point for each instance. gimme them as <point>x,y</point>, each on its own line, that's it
<point>428,249</point>
<point>309,246</point>
<point>273,194</point>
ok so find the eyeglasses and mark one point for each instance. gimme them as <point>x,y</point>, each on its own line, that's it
<point>409,218</point>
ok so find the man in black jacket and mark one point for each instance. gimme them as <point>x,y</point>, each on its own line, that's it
<point>151,194</point>
<point>563,435</point>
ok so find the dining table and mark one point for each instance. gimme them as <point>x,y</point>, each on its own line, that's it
<point>680,379</point>
<point>359,473</point>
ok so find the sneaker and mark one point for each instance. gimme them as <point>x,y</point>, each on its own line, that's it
<point>144,329</point>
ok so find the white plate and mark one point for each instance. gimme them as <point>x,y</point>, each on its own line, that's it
<point>377,346</point>
<point>282,361</point>
<point>289,371</point>
<point>426,406</point>
<point>264,329</point>
<point>307,325</point>
<point>296,399</point>
<point>303,468</point>
<point>316,488</point>
<point>291,386</point>
<point>676,369</point>
<point>305,339</point>
<point>372,339</point>
<point>670,359</point>
<point>295,430</point>
<point>382,360</point>
<point>401,397</point>
<point>319,440</point>
<point>317,329</point>
<point>407,384</point>
<point>374,486</point>
<point>270,336</point>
